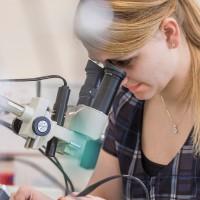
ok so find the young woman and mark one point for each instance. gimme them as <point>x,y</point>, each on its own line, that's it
<point>154,128</point>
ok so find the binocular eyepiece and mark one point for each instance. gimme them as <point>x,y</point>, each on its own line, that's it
<point>98,92</point>
<point>101,86</point>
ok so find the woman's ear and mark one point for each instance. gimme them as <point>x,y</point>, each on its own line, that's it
<point>171,30</point>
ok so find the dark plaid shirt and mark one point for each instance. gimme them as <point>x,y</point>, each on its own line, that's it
<point>180,179</point>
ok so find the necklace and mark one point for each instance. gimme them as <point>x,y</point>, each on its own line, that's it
<point>175,129</point>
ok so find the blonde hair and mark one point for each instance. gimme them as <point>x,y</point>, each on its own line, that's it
<point>136,21</point>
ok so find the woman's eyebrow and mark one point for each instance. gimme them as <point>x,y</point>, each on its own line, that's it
<point>120,60</point>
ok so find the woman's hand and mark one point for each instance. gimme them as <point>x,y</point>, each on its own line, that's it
<point>27,193</point>
<point>73,197</point>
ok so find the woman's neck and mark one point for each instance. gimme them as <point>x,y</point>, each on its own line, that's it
<point>176,87</point>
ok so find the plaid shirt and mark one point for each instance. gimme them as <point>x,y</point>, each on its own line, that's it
<point>180,179</point>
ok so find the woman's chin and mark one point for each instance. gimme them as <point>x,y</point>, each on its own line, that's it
<point>145,94</point>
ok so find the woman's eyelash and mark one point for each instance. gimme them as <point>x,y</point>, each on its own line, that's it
<point>121,63</point>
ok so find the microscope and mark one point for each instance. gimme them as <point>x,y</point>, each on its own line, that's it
<point>71,130</point>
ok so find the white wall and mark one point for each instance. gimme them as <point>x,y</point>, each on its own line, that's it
<point>36,38</point>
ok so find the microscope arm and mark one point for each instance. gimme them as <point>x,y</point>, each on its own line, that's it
<point>82,124</point>
<point>80,137</point>
<point>81,128</point>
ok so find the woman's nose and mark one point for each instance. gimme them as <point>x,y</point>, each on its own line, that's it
<point>125,81</point>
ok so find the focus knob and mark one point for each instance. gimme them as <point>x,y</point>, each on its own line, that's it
<point>41,126</point>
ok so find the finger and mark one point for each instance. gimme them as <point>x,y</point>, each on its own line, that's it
<point>15,196</point>
<point>74,194</point>
<point>71,196</point>
<point>23,193</point>
<point>19,196</point>
<point>95,197</point>
<point>67,198</point>
<point>12,196</point>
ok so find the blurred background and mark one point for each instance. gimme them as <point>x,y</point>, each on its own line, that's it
<point>36,39</point>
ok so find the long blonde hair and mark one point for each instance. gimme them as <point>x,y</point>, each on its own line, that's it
<point>136,21</point>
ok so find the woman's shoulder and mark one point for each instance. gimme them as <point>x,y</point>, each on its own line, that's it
<point>124,124</point>
<point>127,112</point>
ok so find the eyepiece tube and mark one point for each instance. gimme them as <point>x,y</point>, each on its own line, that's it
<point>112,79</point>
<point>94,76</point>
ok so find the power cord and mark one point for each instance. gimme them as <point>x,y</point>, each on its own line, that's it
<point>68,183</point>
<point>66,177</point>
<point>70,188</point>
<point>92,187</point>
<point>40,78</point>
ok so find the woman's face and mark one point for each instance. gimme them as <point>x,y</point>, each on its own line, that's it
<point>148,69</point>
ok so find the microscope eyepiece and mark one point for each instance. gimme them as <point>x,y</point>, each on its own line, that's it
<point>110,84</point>
<point>116,71</point>
<point>94,76</point>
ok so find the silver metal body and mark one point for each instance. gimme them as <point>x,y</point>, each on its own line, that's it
<point>10,106</point>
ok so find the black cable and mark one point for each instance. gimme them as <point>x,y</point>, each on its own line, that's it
<point>67,190</point>
<point>35,79</point>
<point>55,162</point>
<point>66,178</point>
<point>6,124</point>
<point>45,173</point>
<point>34,166</point>
<point>92,187</point>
